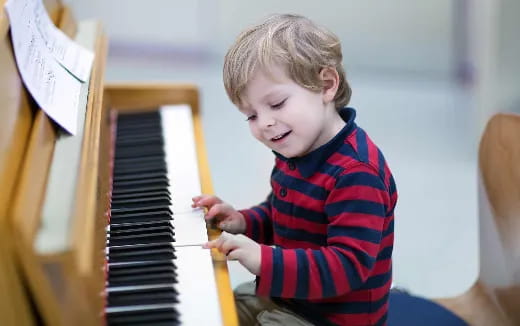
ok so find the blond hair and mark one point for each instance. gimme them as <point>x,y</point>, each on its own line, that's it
<point>294,42</point>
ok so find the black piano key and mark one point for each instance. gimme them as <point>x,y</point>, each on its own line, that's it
<point>145,127</point>
<point>158,216</point>
<point>146,316</point>
<point>138,152</point>
<point>164,193</point>
<point>139,144</point>
<point>155,237</point>
<point>145,278</point>
<point>138,116</point>
<point>137,175</point>
<point>139,139</point>
<point>123,171</point>
<point>135,229</point>
<point>142,255</point>
<point>142,252</point>
<point>141,202</point>
<point>156,272</point>
<point>127,168</point>
<point>136,190</point>
<point>140,267</point>
<point>140,160</point>
<point>152,208</point>
<point>133,137</point>
<point>115,227</point>
<point>142,296</point>
<point>161,181</point>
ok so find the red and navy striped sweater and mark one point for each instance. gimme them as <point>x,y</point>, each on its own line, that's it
<point>330,217</point>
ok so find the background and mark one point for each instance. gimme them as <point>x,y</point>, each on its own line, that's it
<point>426,76</point>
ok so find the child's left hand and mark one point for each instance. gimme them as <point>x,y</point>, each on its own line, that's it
<point>239,247</point>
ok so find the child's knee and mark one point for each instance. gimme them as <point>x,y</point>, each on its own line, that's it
<point>280,317</point>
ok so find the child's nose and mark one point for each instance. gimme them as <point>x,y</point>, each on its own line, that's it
<point>268,121</point>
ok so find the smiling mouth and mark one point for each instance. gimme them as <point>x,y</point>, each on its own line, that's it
<point>280,137</point>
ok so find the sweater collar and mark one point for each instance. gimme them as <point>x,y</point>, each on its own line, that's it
<point>311,162</point>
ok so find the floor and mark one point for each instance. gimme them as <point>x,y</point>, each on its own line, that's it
<point>424,126</point>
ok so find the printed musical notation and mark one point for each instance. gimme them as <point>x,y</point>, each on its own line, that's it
<point>47,62</point>
<point>73,57</point>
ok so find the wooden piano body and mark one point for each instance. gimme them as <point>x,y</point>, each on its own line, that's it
<point>63,285</point>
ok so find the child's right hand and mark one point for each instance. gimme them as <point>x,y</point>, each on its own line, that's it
<point>227,218</point>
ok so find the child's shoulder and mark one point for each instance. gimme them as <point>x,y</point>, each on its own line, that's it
<point>360,152</point>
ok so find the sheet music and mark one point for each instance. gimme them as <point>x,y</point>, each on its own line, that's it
<point>54,89</point>
<point>72,56</point>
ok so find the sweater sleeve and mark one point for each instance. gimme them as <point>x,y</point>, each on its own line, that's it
<point>356,209</point>
<point>258,222</point>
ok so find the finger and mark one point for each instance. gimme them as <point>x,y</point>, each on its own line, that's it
<point>209,201</point>
<point>234,254</point>
<point>216,210</point>
<point>228,246</point>
<point>212,244</point>
<point>226,221</point>
<point>225,225</point>
<point>218,242</point>
<point>197,200</point>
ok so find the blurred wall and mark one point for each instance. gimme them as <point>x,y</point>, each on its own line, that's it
<point>400,35</point>
<point>494,53</point>
<point>508,65</point>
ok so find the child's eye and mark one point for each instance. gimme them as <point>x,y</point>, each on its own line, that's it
<point>278,105</point>
<point>251,118</point>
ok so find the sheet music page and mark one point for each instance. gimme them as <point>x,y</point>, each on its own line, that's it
<point>72,56</point>
<point>54,89</point>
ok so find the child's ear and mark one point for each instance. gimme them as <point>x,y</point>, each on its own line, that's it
<point>330,79</point>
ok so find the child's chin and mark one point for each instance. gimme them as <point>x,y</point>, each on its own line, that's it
<point>289,154</point>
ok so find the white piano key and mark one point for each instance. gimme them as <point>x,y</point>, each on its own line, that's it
<point>181,157</point>
<point>183,172</point>
<point>184,226</point>
<point>198,298</point>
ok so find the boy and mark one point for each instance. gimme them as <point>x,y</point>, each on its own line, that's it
<point>321,244</point>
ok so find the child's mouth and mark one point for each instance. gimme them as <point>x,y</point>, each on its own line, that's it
<point>280,137</point>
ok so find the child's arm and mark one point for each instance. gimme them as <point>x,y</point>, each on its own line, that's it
<point>258,222</point>
<point>357,209</point>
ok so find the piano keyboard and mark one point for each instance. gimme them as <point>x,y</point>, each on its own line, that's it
<point>157,271</point>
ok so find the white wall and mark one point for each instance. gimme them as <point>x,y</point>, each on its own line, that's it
<point>495,51</point>
<point>399,35</point>
<point>508,54</point>
<point>172,22</point>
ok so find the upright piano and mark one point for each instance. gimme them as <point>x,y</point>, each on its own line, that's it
<point>98,228</point>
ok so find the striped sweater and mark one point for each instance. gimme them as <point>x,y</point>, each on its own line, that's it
<point>327,231</point>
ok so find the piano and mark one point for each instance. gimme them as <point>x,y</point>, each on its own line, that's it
<point>98,228</point>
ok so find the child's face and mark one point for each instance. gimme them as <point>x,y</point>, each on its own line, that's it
<point>286,117</point>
